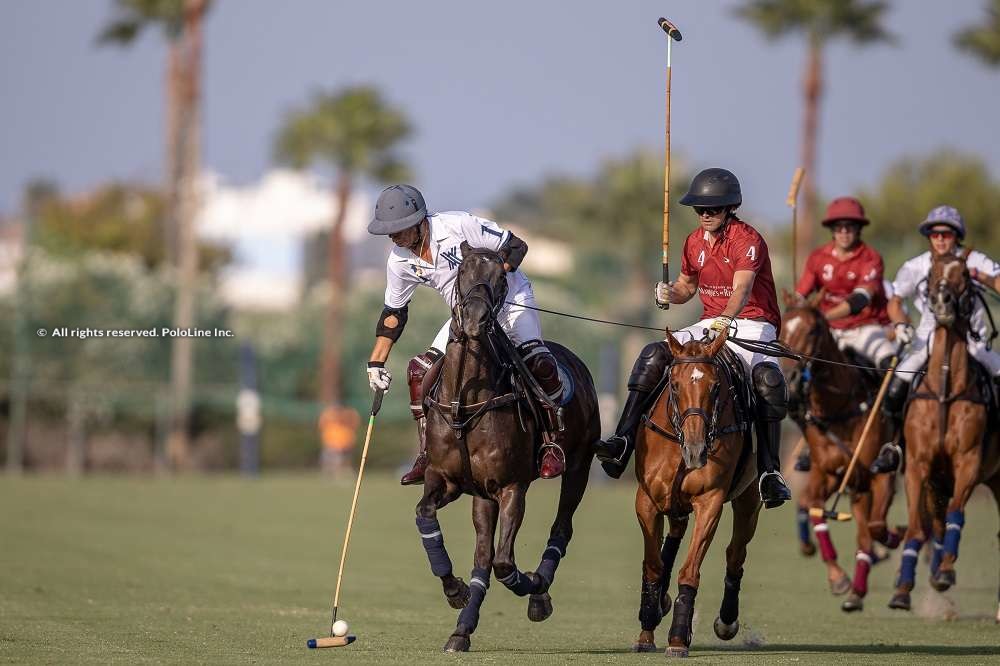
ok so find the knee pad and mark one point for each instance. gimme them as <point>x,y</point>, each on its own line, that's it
<point>769,385</point>
<point>649,368</point>
<point>415,372</point>
<point>542,365</point>
<point>895,396</point>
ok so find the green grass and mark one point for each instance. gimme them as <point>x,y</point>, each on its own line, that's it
<point>226,570</point>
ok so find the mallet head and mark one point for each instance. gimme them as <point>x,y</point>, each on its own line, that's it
<point>670,28</point>
<point>330,641</point>
<point>817,512</point>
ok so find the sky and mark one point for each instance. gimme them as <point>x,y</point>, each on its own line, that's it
<point>501,94</point>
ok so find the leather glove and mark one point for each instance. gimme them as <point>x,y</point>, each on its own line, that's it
<point>379,376</point>
<point>661,293</point>
<point>904,333</point>
<point>719,326</point>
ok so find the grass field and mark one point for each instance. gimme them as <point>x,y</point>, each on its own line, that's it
<point>226,570</point>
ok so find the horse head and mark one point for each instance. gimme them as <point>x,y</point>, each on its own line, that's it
<point>480,292</point>
<point>694,390</point>
<point>804,330</point>
<point>950,290</point>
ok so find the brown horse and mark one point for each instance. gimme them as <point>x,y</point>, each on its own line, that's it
<point>483,436</point>
<point>693,454</point>
<point>948,451</point>
<point>830,404</point>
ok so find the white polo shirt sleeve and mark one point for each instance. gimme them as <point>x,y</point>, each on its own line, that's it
<point>982,263</point>
<point>480,232</point>
<point>399,283</point>
<point>908,278</point>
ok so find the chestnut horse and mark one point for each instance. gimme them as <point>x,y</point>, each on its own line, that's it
<point>694,443</point>
<point>830,403</point>
<point>948,449</point>
<point>482,440</point>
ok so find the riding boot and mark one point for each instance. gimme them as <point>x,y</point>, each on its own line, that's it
<point>891,453</point>
<point>769,385</point>
<point>545,370</point>
<point>615,451</point>
<point>804,462</point>
<point>415,372</point>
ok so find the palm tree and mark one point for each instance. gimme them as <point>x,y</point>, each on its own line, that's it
<point>820,21</point>
<point>983,41</point>
<point>181,22</point>
<point>354,131</point>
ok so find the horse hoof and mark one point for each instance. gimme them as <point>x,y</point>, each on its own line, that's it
<point>943,580</point>
<point>726,631</point>
<point>539,607</point>
<point>807,549</point>
<point>457,644</point>
<point>840,586</point>
<point>676,651</point>
<point>852,603</point>
<point>900,601</point>
<point>644,647</point>
<point>458,598</point>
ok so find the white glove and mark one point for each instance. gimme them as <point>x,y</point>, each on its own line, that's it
<point>904,333</point>
<point>379,376</point>
<point>662,294</point>
<point>719,325</point>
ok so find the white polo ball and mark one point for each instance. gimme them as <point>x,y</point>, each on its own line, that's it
<point>340,628</point>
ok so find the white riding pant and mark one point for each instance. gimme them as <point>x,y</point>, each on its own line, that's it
<point>920,349</point>
<point>745,329</point>
<point>869,340</point>
<point>520,324</point>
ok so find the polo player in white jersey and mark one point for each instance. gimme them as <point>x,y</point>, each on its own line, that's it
<point>428,252</point>
<point>945,231</point>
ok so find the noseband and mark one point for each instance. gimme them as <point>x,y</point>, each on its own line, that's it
<point>678,418</point>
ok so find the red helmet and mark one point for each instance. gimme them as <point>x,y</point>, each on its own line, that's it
<point>845,208</point>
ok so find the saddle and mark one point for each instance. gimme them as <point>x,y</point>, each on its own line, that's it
<point>872,375</point>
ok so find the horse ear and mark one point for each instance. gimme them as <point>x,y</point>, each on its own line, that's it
<point>715,346</point>
<point>466,248</point>
<point>816,298</point>
<point>791,299</point>
<point>964,254</point>
<point>675,347</point>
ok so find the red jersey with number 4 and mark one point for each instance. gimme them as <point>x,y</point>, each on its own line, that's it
<point>861,269</point>
<point>738,248</point>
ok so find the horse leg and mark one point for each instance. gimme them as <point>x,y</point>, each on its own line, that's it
<point>883,491</point>
<point>484,517</point>
<point>917,471</point>
<point>806,545</point>
<point>861,506</point>
<point>650,609</point>
<point>966,477</point>
<point>707,511</point>
<point>574,484</point>
<point>504,566</point>
<point>937,510</point>
<point>821,484</point>
<point>437,494</point>
<point>746,509</point>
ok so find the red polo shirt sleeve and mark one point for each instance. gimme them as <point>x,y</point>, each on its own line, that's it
<point>809,282</point>
<point>748,252</point>
<point>870,270</point>
<point>688,267</point>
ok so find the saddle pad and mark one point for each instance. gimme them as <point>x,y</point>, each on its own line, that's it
<point>569,387</point>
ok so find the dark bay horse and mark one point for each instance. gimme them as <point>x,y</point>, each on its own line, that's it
<point>948,451</point>
<point>830,404</point>
<point>687,459</point>
<point>482,440</point>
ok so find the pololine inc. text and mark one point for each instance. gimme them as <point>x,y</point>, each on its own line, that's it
<point>84,333</point>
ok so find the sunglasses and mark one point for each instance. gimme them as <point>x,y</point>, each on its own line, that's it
<point>853,228</point>
<point>941,234</point>
<point>711,211</point>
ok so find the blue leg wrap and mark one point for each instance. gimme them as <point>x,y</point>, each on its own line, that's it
<point>802,516</point>
<point>430,532</point>
<point>908,563</point>
<point>518,583</point>
<point>554,551</point>
<point>477,594</point>
<point>954,521</point>
<point>936,556</point>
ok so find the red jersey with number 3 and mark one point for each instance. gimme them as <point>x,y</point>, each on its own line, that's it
<point>738,248</point>
<point>839,278</point>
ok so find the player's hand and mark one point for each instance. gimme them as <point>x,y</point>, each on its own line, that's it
<point>904,333</point>
<point>379,376</point>
<point>719,326</point>
<point>661,293</point>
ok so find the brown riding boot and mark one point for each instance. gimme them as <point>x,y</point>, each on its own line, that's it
<point>415,372</point>
<point>416,473</point>
<point>543,367</point>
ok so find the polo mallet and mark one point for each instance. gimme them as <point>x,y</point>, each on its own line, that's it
<point>792,201</point>
<point>832,513</point>
<point>673,34</point>
<point>332,640</point>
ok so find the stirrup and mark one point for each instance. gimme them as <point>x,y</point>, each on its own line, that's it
<point>772,503</point>
<point>612,459</point>
<point>889,448</point>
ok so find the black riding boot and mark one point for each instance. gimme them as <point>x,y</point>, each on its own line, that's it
<point>615,451</point>
<point>804,462</point>
<point>893,404</point>
<point>769,385</point>
<point>649,368</point>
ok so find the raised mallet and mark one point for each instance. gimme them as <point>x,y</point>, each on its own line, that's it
<point>333,640</point>
<point>674,34</point>
<point>792,202</point>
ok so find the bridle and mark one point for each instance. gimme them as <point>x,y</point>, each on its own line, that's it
<point>480,290</point>
<point>677,418</point>
<point>951,305</point>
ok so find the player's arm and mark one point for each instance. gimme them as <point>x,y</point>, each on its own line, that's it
<point>513,250</point>
<point>852,305</point>
<point>683,288</point>
<point>742,286</point>
<point>985,271</point>
<point>480,232</point>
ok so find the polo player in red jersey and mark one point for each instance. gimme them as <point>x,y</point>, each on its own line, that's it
<point>726,262</point>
